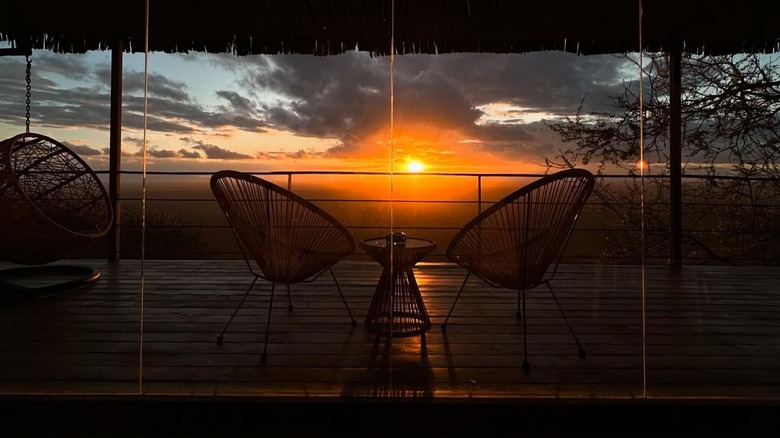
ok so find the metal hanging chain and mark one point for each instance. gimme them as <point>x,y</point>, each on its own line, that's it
<point>28,78</point>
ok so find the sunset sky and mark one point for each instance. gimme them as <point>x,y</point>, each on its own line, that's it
<point>456,112</point>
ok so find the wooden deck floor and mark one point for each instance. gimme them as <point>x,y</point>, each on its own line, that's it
<point>712,333</point>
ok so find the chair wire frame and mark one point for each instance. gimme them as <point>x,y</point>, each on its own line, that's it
<point>53,206</point>
<point>53,203</point>
<point>283,237</point>
<point>519,241</point>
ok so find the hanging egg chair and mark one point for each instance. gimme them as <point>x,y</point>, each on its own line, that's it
<point>52,205</point>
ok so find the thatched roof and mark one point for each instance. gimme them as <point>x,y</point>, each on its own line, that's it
<point>323,27</point>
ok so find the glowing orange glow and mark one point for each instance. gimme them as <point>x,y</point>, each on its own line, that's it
<point>415,166</point>
<point>641,165</point>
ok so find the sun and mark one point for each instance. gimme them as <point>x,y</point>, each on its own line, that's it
<point>415,166</point>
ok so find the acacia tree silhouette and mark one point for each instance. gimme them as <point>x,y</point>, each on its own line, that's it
<point>730,128</point>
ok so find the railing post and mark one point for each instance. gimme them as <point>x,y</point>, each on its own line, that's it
<point>675,155</point>
<point>115,150</point>
<point>479,194</point>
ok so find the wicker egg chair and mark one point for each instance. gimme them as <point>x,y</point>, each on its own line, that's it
<point>53,205</point>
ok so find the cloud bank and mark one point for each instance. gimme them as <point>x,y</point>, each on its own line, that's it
<point>444,106</point>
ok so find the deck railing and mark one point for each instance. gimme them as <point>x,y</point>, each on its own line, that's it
<point>183,221</point>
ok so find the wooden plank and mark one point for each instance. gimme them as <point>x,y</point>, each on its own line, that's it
<point>712,331</point>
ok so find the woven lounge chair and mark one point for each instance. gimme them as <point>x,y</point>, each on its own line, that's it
<point>517,243</point>
<point>283,237</point>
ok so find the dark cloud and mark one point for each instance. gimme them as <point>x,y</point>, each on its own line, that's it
<point>237,102</point>
<point>56,102</point>
<point>184,153</point>
<point>322,96</point>
<point>347,96</point>
<point>172,108</point>
<point>138,142</point>
<point>501,133</point>
<point>152,151</point>
<point>66,90</point>
<point>82,149</point>
<point>216,152</point>
<point>73,66</point>
<point>429,97</point>
<point>300,154</point>
<point>161,153</point>
<point>159,86</point>
<point>549,81</point>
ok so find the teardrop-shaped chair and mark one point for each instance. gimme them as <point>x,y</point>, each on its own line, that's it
<point>517,242</point>
<point>284,238</point>
<point>53,206</point>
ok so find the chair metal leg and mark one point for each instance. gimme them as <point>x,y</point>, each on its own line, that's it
<point>526,364</point>
<point>354,322</point>
<point>444,324</point>
<point>221,336</point>
<point>268,324</point>
<point>289,299</point>
<point>519,314</point>
<point>566,320</point>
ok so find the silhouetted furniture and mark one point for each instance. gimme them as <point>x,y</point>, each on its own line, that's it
<point>518,242</point>
<point>53,205</point>
<point>397,308</point>
<point>289,239</point>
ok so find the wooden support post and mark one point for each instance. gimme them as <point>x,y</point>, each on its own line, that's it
<point>675,155</point>
<point>115,150</point>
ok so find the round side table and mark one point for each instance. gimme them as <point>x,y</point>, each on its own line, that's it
<point>397,308</point>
